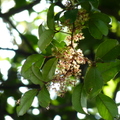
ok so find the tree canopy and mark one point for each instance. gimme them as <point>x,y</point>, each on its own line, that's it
<point>60,60</point>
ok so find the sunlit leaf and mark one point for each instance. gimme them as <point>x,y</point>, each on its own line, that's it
<point>104,48</point>
<point>48,70</point>
<point>45,39</point>
<point>106,107</point>
<point>93,81</point>
<point>109,70</point>
<point>79,99</point>
<point>44,97</point>
<point>26,102</point>
<point>50,17</point>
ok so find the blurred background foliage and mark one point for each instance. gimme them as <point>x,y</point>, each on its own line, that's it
<point>19,21</point>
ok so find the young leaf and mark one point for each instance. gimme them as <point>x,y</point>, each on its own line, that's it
<point>48,70</point>
<point>93,81</point>
<point>79,99</point>
<point>106,107</point>
<point>45,39</point>
<point>44,97</point>
<point>109,70</point>
<point>26,68</point>
<point>102,50</point>
<point>26,102</point>
<point>50,17</point>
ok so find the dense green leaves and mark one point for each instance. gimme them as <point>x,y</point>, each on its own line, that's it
<point>48,70</point>
<point>106,107</point>
<point>106,49</point>
<point>45,39</point>
<point>26,102</point>
<point>93,81</point>
<point>79,99</point>
<point>44,97</point>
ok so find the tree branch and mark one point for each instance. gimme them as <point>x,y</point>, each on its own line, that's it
<point>17,10</point>
<point>16,51</point>
<point>21,35</point>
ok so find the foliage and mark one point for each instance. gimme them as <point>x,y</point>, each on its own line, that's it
<point>77,58</point>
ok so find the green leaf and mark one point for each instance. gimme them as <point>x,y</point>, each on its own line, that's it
<point>94,31</point>
<point>105,18</point>
<point>44,97</point>
<point>104,48</point>
<point>26,68</point>
<point>109,70</point>
<point>93,81</point>
<point>48,70</point>
<point>79,99</point>
<point>71,14</point>
<point>103,28</point>
<point>36,74</point>
<point>50,17</point>
<point>41,29</point>
<point>26,102</point>
<point>106,107</point>
<point>112,54</point>
<point>45,39</point>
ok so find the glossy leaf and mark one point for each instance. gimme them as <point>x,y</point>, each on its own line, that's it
<point>44,97</point>
<point>106,107</point>
<point>48,70</point>
<point>79,99</point>
<point>26,68</point>
<point>50,17</point>
<point>93,81</point>
<point>104,48</point>
<point>26,102</point>
<point>109,70</point>
<point>45,39</point>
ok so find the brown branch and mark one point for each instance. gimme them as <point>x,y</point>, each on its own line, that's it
<point>17,86</point>
<point>16,51</point>
<point>17,10</point>
<point>21,35</point>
